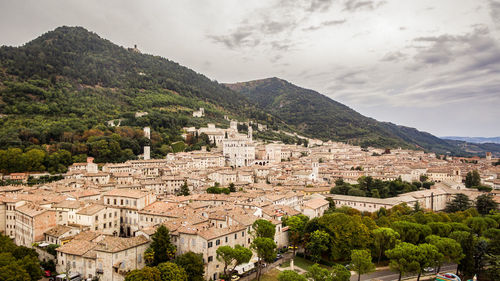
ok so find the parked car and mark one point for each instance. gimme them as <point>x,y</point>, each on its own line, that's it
<point>429,269</point>
<point>278,256</point>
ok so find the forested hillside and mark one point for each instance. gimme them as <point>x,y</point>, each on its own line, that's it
<point>58,91</point>
<point>317,115</point>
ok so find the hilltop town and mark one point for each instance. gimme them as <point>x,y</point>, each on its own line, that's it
<point>103,216</point>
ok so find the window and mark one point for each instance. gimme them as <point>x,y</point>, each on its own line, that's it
<point>108,201</point>
<point>226,239</point>
<point>96,218</point>
<point>243,234</point>
<point>217,242</point>
<point>235,236</point>
<point>210,244</point>
<point>104,216</point>
<point>139,258</point>
<point>210,258</point>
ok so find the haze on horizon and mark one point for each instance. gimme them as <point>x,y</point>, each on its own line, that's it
<point>432,65</point>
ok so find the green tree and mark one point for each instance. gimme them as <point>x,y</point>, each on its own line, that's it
<point>193,264</point>
<point>184,190</point>
<point>290,275</point>
<point>14,272</point>
<point>265,248</point>
<point>449,248</point>
<point>468,242</point>
<point>318,244</point>
<point>384,238</point>
<point>296,226</point>
<point>163,249</point>
<point>32,266</point>
<point>340,273</point>
<point>427,255</point>
<point>403,258</point>
<point>480,224</point>
<point>34,160</point>
<point>337,273</point>
<point>317,273</point>
<point>241,255</point>
<point>263,228</point>
<point>346,232</point>
<point>460,202</point>
<point>232,188</point>
<point>423,178</point>
<point>485,203</point>
<point>145,274</point>
<point>236,255</point>
<point>411,232</point>
<point>361,261</point>
<point>171,271</point>
<point>472,179</point>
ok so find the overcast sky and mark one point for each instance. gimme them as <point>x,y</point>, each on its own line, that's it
<point>433,65</point>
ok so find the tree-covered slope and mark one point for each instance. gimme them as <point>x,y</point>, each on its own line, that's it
<point>58,91</point>
<point>319,116</point>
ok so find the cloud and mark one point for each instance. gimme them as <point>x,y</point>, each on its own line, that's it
<point>394,57</point>
<point>495,12</point>
<point>473,47</point>
<point>320,5</point>
<point>324,24</point>
<point>358,5</point>
<point>236,39</point>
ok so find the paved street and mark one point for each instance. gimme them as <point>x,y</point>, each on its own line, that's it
<point>387,275</point>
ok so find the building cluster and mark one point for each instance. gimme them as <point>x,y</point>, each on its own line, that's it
<point>103,216</point>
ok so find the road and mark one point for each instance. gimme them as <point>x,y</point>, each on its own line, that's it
<point>387,275</point>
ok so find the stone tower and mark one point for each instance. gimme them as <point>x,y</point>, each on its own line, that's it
<point>315,171</point>
<point>250,133</point>
<point>488,156</point>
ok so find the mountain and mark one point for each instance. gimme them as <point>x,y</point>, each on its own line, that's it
<point>474,139</point>
<point>61,92</point>
<point>319,116</point>
<point>58,91</point>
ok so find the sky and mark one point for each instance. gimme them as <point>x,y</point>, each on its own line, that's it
<point>433,65</point>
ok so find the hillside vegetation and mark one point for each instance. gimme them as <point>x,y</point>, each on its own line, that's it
<point>317,115</point>
<point>59,92</point>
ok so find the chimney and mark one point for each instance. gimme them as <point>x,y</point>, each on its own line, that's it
<point>90,160</point>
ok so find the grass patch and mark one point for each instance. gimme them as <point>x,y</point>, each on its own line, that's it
<point>302,263</point>
<point>271,275</point>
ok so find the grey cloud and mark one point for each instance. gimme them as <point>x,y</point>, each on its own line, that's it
<point>236,39</point>
<point>495,12</point>
<point>357,5</point>
<point>274,27</point>
<point>324,24</point>
<point>320,5</point>
<point>446,48</point>
<point>281,45</point>
<point>352,77</point>
<point>394,57</point>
